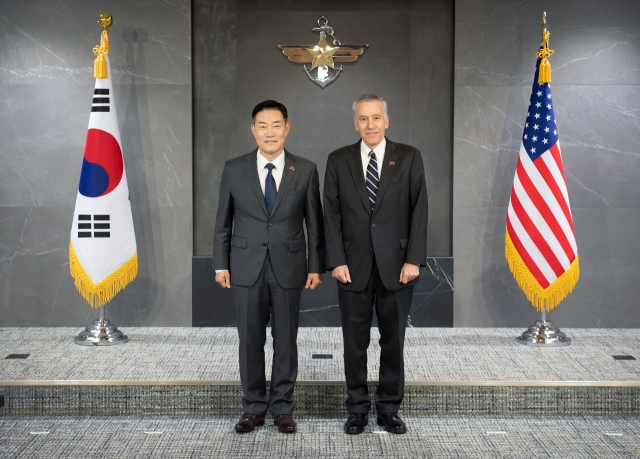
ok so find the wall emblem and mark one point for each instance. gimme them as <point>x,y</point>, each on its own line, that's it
<point>323,57</point>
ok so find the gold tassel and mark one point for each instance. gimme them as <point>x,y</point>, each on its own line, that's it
<point>100,64</point>
<point>100,294</point>
<point>542,299</point>
<point>100,67</point>
<point>544,71</point>
<point>544,75</point>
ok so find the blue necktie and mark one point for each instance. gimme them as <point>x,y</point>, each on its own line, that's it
<point>270,190</point>
<point>372,179</point>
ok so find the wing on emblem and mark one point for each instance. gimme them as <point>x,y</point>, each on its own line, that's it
<point>300,55</point>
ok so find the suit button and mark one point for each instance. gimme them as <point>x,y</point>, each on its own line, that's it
<point>264,244</point>
<point>270,224</point>
<point>373,225</point>
<point>370,248</point>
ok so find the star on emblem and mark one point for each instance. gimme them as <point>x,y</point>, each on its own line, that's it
<point>322,53</point>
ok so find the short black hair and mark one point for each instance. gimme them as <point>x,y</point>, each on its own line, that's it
<point>269,105</point>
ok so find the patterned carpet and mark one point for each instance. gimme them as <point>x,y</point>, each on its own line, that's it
<point>194,420</point>
<point>210,354</point>
<point>196,437</point>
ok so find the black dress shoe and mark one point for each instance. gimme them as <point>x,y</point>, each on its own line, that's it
<point>355,424</point>
<point>392,423</point>
<point>285,423</point>
<point>248,422</point>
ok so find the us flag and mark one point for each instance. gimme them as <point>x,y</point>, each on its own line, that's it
<point>540,242</point>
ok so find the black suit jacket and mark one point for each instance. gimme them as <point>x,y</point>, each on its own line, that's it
<point>241,209</point>
<point>396,230</point>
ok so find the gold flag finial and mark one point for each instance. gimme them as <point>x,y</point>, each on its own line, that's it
<point>544,72</point>
<point>100,64</point>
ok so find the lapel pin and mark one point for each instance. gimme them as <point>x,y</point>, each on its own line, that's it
<point>291,168</point>
<point>392,163</point>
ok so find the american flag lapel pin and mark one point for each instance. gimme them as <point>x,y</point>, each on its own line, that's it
<point>392,163</point>
<point>291,168</point>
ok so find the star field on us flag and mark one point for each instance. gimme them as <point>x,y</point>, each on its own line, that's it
<point>540,131</point>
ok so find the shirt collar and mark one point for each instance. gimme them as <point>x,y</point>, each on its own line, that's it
<point>379,150</point>
<point>278,162</point>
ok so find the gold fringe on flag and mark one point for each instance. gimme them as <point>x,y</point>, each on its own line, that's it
<point>98,295</point>
<point>542,299</point>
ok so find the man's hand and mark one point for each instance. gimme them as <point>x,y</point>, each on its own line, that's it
<point>313,280</point>
<point>223,278</point>
<point>342,274</point>
<point>408,273</point>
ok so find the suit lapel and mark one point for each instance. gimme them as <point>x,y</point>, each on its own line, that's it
<point>356,167</point>
<point>254,180</point>
<point>388,167</point>
<point>287,176</point>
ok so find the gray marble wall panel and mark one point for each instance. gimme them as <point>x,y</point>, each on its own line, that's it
<point>50,42</point>
<point>595,92</point>
<point>596,42</point>
<point>46,86</point>
<point>237,64</point>
<point>432,305</point>
<point>431,111</point>
<point>215,105</point>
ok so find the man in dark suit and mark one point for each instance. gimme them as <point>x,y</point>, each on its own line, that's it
<point>259,248</point>
<point>375,219</point>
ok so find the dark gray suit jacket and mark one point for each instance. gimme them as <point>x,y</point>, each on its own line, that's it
<point>395,232</point>
<point>241,209</point>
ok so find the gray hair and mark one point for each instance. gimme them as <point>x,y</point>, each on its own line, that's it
<point>369,98</point>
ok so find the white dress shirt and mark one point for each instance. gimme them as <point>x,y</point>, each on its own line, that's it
<point>277,170</point>
<point>379,151</point>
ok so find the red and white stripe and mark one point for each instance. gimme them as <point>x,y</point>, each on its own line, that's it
<point>539,218</point>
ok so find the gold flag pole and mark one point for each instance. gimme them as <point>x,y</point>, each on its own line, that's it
<point>100,64</point>
<point>544,73</point>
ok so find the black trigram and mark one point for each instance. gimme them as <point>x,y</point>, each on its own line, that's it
<point>100,222</point>
<point>100,96</point>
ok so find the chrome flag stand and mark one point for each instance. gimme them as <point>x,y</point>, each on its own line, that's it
<point>543,334</point>
<point>101,333</point>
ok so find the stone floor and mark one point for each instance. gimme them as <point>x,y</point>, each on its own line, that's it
<point>194,437</point>
<point>210,354</point>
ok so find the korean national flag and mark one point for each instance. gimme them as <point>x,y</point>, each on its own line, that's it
<point>102,253</point>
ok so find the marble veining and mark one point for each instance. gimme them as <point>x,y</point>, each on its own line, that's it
<point>51,42</point>
<point>595,73</point>
<point>46,85</point>
<point>432,304</point>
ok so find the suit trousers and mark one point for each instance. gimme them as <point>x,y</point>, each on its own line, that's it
<point>254,306</point>
<point>392,311</point>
